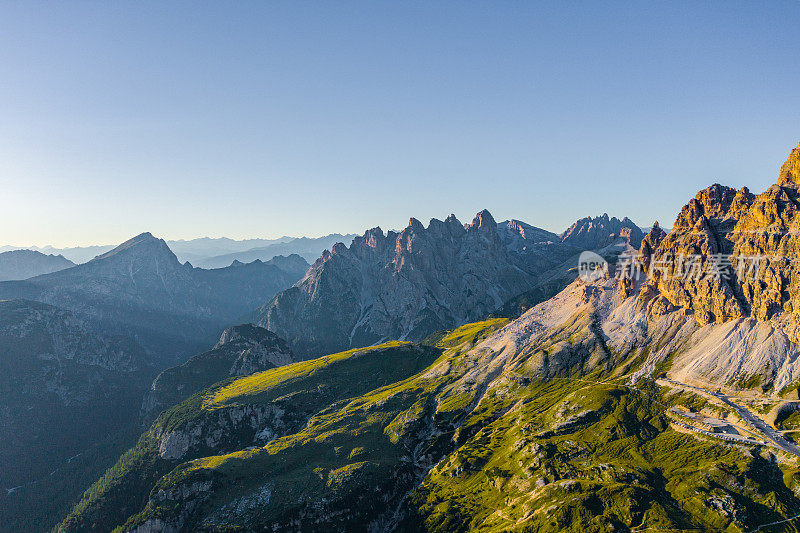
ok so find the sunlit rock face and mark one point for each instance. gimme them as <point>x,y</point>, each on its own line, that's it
<point>592,233</point>
<point>753,239</point>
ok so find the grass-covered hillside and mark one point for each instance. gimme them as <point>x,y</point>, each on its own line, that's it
<point>241,350</point>
<point>239,414</point>
<point>463,435</point>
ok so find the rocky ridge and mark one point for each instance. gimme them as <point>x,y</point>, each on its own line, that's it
<point>592,233</point>
<point>409,284</point>
<point>745,249</point>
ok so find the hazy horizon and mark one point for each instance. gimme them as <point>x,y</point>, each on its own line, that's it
<point>296,119</point>
<point>333,232</point>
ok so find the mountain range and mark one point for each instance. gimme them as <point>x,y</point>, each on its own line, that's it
<point>140,289</point>
<point>209,252</point>
<point>139,293</point>
<point>307,248</point>
<point>410,284</point>
<point>24,264</point>
<point>660,401</point>
<point>454,377</point>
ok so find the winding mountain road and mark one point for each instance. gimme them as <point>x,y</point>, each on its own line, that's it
<point>745,414</point>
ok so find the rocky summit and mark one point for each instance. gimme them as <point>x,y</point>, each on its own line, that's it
<point>409,284</point>
<point>753,238</point>
<point>592,233</point>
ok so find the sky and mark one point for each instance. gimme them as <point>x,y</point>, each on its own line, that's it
<point>262,119</point>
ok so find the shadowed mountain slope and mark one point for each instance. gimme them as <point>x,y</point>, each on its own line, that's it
<point>24,264</point>
<point>69,397</point>
<point>141,290</point>
<point>241,350</point>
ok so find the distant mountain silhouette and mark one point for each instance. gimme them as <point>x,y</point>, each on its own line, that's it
<point>308,248</point>
<point>141,289</point>
<point>24,264</point>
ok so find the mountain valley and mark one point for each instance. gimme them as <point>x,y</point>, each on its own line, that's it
<point>566,418</point>
<point>454,377</point>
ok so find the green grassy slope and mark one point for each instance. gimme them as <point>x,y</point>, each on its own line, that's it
<point>447,441</point>
<point>616,466</point>
<point>296,391</point>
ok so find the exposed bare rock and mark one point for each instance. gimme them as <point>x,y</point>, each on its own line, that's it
<point>769,231</point>
<point>745,251</point>
<point>689,267</point>
<point>650,243</point>
<point>591,233</point>
<point>790,170</point>
<point>521,237</point>
<point>409,284</point>
<point>402,285</point>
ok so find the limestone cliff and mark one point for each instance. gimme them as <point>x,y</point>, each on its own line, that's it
<point>734,254</point>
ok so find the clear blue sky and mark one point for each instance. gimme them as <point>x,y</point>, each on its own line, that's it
<point>270,118</point>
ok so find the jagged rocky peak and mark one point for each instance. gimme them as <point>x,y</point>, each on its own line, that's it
<point>522,238</point>
<point>421,280</point>
<point>790,171</point>
<point>776,208</point>
<point>452,222</point>
<point>374,237</point>
<point>484,221</point>
<point>741,202</point>
<point>712,205</point>
<point>450,227</point>
<point>591,233</point>
<point>699,234</point>
<point>415,225</point>
<point>529,233</point>
<point>652,240</point>
<point>757,239</point>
